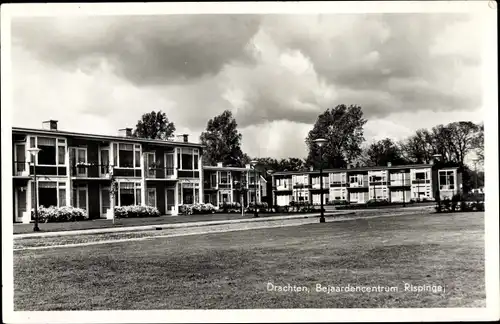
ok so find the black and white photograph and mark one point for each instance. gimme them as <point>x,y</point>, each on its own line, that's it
<point>265,162</point>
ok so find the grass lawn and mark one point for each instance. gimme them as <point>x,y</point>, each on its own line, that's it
<point>125,222</point>
<point>233,270</point>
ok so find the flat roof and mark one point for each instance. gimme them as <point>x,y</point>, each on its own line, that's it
<point>360,169</point>
<point>102,137</point>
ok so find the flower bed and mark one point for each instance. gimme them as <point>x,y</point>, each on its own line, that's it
<point>262,207</point>
<point>230,207</point>
<point>54,214</point>
<point>136,211</point>
<point>197,209</point>
<point>460,203</point>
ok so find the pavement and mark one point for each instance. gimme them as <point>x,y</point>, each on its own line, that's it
<point>178,225</point>
<point>328,214</point>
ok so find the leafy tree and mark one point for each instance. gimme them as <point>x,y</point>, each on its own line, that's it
<point>417,148</point>
<point>154,125</point>
<point>384,151</point>
<point>342,127</point>
<point>479,144</point>
<point>291,164</point>
<point>462,138</point>
<point>222,141</point>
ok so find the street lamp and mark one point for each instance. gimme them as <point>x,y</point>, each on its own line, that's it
<point>270,173</point>
<point>404,188</point>
<point>34,152</point>
<point>253,163</point>
<point>320,142</point>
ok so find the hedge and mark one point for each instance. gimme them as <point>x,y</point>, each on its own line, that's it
<point>54,214</point>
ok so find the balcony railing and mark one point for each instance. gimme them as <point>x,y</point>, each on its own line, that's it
<point>24,169</point>
<point>421,181</point>
<point>21,169</point>
<point>90,170</point>
<point>154,172</point>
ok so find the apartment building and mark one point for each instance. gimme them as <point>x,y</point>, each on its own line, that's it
<point>76,169</point>
<point>359,185</point>
<point>227,185</point>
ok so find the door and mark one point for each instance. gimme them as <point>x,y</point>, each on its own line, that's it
<point>151,197</point>
<point>20,158</point>
<point>104,169</point>
<point>20,203</point>
<point>170,200</point>
<point>105,201</point>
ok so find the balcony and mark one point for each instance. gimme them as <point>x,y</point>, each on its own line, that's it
<point>90,170</point>
<point>336,184</point>
<point>20,169</point>
<point>224,185</point>
<point>188,174</point>
<point>285,187</point>
<point>400,183</point>
<point>155,172</point>
<point>421,181</point>
<point>318,185</point>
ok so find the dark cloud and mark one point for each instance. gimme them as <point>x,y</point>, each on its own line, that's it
<point>269,68</point>
<point>143,49</point>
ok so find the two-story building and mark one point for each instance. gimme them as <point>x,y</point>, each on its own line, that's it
<point>76,169</point>
<point>227,185</point>
<point>359,185</point>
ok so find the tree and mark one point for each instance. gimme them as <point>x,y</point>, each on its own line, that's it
<point>382,152</point>
<point>291,164</point>
<point>222,141</point>
<point>417,148</point>
<point>342,127</point>
<point>462,138</point>
<point>479,144</point>
<point>154,125</point>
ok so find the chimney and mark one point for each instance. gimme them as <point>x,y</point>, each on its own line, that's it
<point>311,168</point>
<point>389,164</point>
<point>348,166</point>
<point>247,166</point>
<point>185,138</point>
<point>219,164</point>
<point>125,132</point>
<point>49,124</point>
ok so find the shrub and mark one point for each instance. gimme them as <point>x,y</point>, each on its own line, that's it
<point>197,209</point>
<point>230,207</point>
<point>378,202</point>
<point>338,202</point>
<point>54,214</point>
<point>135,211</point>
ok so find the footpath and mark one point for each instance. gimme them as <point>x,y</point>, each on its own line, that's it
<point>329,215</point>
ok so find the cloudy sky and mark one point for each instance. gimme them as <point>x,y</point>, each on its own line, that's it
<point>277,73</point>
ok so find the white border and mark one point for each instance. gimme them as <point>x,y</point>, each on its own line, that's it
<point>490,86</point>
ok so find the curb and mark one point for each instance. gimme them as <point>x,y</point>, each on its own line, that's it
<point>170,226</point>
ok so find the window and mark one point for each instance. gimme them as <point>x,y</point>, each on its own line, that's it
<point>51,193</point>
<point>225,177</point>
<point>127,155</point>
<point>129,193</point>
<point>150,161</point>
<point>446,180</point>
<point>187,158</point>
<point>78,156</point>
<point>47,155</point>
<point>213,180</point>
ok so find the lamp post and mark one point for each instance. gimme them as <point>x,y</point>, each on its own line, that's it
<point>404,188</point>
<point>320,142</point>
<point>34,152</point>
<point>270,173</point>
<point>253,163</point>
